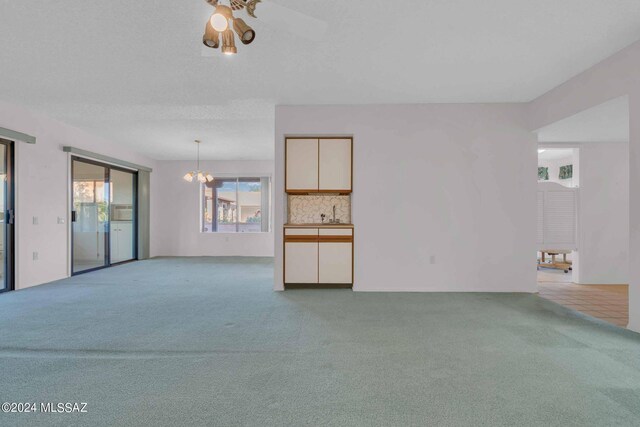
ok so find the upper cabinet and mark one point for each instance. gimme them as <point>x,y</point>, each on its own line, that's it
<point>318,165</point>
<point>335,165</point>
<point>301,172</point>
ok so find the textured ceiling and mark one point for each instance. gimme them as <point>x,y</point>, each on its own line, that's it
<point>132,71</point>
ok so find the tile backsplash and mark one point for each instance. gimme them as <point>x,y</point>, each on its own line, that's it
<point>306,209</point>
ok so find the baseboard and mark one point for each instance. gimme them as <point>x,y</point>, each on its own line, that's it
<point>318,286</point>
<point>455,290</point>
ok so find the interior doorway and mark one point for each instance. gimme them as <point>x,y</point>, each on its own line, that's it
<point>103,215</point>
<point>558,184</point>
<point>568,272</point>
<point>7,216</point>
<point>600,266</point>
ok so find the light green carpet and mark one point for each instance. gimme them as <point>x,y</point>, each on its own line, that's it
<point>204,341</point>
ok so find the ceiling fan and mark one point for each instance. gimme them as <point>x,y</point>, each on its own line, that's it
<point>223,24</point>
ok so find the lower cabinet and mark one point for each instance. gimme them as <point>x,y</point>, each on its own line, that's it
<point>121,241</point>
<point>318,256</point>
<point>301,262</point>
<point>335,262</point>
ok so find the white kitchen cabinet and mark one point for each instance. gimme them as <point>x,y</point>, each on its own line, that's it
<point>335,165</point>
<point>301,262</point>
<point>301,165</point>
<point>335,262</point>
<point>335,232</point>
<point>121,238</point>
<point>318,255</point>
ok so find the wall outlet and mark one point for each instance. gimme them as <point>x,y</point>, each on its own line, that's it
<point>432,259</point>
<point>35,256</point>
<point>35,220</point>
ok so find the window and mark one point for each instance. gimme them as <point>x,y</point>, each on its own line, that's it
<point>236,205</point>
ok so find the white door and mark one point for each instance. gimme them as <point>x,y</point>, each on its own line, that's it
<point>302,164</point>
<point>335,164</point>
<point>335,262</point>
<point>301,262</point>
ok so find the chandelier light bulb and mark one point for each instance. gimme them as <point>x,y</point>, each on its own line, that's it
<point>188,177</point>
<point>220,18</point>
<point>219,22</point>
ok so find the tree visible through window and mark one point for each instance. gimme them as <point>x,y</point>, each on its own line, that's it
<point>236,205</point>
<point>543,173</point>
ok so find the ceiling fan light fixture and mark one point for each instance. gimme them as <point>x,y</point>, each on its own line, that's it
<point>245,32</point>
<point>228,43</point>
<point>211,37</point>
<point>220,18</point>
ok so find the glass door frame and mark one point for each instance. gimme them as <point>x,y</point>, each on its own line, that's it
<point>134,216</point>
<point>107,235</point>
<point>9,218</point>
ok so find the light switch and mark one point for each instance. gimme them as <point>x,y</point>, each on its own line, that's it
<point>35,220</point>
<point>61,220</point>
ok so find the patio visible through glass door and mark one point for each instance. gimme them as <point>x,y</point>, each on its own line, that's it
<point>90,216</point>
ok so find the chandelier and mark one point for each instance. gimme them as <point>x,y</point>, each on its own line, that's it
<point>222,21</point>
<point>201,176</point>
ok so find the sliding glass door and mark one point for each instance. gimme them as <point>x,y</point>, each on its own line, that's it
<point>90,216</point>
<point>6,216</point>
<point>123,201</point>
<point>103,215</point>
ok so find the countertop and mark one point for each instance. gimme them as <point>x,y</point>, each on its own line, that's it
<point>319,225</point>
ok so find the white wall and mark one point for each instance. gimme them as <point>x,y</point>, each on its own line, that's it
<point>634,206</point>
<point>42,191</point>
<point>604,213</point>
<point>614,77</point>
<point>175,213</point>
<point>478,225</point>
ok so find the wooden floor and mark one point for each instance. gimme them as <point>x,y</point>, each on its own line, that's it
<point>607,302</point>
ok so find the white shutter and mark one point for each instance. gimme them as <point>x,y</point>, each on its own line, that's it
<point>560,215</point>
<point>557,217</point>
